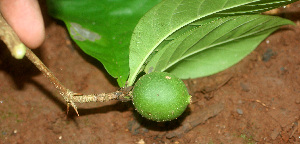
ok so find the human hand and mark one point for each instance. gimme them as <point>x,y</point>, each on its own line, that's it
<point>25,17</point>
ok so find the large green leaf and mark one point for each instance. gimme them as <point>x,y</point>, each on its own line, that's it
<point>170,15</point>
<point>103,28</point>
<point>213,47</point>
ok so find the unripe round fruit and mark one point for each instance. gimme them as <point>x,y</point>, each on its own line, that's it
<point>160,96</point>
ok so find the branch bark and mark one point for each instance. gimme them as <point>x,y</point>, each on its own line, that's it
<point>13,43</point>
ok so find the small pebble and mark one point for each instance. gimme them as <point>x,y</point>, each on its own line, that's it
<point>141,141</point>
<point>268,54</point>
<point>4,133</point>
<point>298,101</point>
<point>240,101</point>
<point>275,133</point>
<point>239,111</point>
<point>245,87</point>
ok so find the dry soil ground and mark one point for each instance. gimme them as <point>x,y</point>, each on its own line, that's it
<point>255,101</point>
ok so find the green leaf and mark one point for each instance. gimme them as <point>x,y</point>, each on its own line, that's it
<point>103,29</point>
<point>171,15</point>
<point>211,48</point>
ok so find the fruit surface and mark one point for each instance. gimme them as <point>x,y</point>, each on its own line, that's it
<point>160,96</point>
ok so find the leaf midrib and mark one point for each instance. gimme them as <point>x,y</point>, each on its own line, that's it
<point>205,48</point>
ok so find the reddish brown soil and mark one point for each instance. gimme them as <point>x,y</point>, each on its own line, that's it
<point>255,101</point>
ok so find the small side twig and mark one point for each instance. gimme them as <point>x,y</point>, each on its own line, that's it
<point>13,43</point>
<point>260,102</point>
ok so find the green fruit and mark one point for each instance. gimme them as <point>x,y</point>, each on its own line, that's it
<point>160,96</point>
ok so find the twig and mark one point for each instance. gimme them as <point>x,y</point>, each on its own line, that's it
<point>11,40</point>
<point>66,93</point>
<point>258,101</point>
<point>70,97</point>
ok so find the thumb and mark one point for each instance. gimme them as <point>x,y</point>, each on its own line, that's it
<point>25,17</point>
